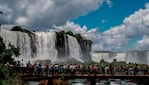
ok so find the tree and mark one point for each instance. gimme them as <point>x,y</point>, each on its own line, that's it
<point>70,33</point>
<point>6,54</point>
<point>114,60</point>
<point>102,61</point>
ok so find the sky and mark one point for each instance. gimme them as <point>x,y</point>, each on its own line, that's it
<point>112,25</point>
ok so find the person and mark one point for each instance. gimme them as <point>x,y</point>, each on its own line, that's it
<point>95,69</point>
<point>56,68</point>
<point>107,69</point>
<point>102,70</point>
<point>37,69</point>
<point>47,68</point>
<point>73,68</point>
<point>22,67</point>
<point>145,70</point>
<point>18,65</point>
<point>111,69</point>
<point>70,68</point>
<point>28,67</point>
<point>126,70</point>
<point>51,69</point>
<point>7,64</point>
<point>65,69</point>
<point>136,69</point>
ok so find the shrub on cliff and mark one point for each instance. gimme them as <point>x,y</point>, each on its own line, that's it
<point>6,53</point>
<point>77,36</point>
<point>18,28</point>
<point>4,72</point>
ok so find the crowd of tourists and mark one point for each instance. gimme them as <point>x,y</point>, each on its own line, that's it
<point>53,69</point>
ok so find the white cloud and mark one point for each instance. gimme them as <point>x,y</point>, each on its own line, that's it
<point>71,26</point>
<point>103,21</point>
<point>21,20</point>
<point>45,13</point>
<point>109,2</point>
<point>92,34</point>
<point>143,44</point>
<point>137,24</point>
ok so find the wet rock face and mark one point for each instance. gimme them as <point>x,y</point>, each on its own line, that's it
<point>86,49</point>
<point>33,46</point>
<point>62,45</point>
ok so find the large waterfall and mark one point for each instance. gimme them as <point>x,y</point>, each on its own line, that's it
<point>108,56</point>
<point>43,46</point>
<point>138,56</point>
<point>141,57</point>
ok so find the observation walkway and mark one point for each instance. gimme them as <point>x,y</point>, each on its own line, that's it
<point>92,77</point>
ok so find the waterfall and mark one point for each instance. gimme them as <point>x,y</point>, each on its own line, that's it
<point>18,39</point>
<point>43,46</point>
<point>74,48</point>
<point>147,57</point>
<point>138,57</point>
<point>141,57</point>
<point>66,46</point>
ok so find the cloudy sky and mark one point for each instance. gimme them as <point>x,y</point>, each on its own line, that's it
<point>112,25</point>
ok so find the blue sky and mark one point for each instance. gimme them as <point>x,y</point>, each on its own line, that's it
<point>113,16</point>
<point>112,25</point>
<point>106,17</point>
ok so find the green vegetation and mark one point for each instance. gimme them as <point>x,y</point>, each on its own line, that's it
<point>77,36</point>
<point>6,53</point>
<point>18,28</point>
<point>4,72</point>
<point>6,56</point>
<point>115,63</point>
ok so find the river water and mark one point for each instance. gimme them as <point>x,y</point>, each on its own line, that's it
<point>86,82</point>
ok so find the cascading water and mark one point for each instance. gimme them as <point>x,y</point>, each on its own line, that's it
<point>18,39</point>
<point>147,57</point>
<point>138,57</point>
<point>43,45</point>
<point>141,57</point>
<point>74,48</point>
<point>66,46</point>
